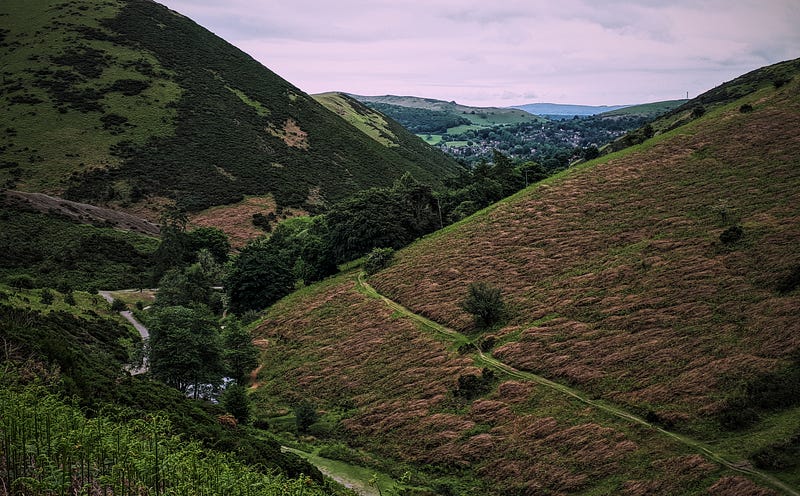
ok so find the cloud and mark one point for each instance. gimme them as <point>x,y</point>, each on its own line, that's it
<point>503,53</point>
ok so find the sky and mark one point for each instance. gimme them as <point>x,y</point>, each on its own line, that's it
<point>507,52</point>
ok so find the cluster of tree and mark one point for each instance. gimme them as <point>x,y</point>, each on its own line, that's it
<point>307,249</point>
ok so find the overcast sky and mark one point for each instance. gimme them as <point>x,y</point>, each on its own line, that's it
<point>507,52</point>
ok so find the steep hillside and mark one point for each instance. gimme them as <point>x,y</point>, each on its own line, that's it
<point>128,103</point>
<point>657,287</point>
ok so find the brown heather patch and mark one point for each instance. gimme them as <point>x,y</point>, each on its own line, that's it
<point>738,486</point>
<point>333,346</point>
<point>653,308</point>
<point>236,220</point>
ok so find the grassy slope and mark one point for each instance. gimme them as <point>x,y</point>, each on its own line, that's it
<point>390,384</point>
<point>617,283</point>
<point>110,101</point>
<point>651,310</point>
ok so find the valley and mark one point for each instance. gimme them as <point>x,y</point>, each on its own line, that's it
<point>383,295</point>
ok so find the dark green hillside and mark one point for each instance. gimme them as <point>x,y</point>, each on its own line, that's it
<point>120,102</point>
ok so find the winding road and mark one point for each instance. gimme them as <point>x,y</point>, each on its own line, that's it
<point>364,287</point>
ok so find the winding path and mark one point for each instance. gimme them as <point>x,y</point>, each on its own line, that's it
<point>364,287</point>
<point>140,328</point>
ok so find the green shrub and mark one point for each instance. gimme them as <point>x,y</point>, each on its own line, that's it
<point>731,235</point>
<point>22,281</point>
<point>485,303</point>
<point>378,259</point>
<point>118,306</point>
<point>304,416</point>
<point>47,297</point>
<point>746,108</point>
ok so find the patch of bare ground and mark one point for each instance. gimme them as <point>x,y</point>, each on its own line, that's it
<point>653,308</point>
<point>290,133</point>
<point>340,349</point>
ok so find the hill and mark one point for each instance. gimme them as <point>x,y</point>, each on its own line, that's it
<point>657,287</point>
<point>132,105</point>
<point>477,116</point>
<point>73,418</point>
<point>385,131</point>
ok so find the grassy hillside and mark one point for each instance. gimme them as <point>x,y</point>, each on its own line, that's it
<point>662,280</point>
<point>127,102</point>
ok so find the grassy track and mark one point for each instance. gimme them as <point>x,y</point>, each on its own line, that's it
<point>364,287</point>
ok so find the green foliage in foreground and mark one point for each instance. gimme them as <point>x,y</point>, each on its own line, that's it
<point>51,447</point>
<point>79,352</point>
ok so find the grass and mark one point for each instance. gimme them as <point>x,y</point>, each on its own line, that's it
<point>360,479</point>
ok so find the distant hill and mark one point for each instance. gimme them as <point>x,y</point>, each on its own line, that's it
<point>385,131</point>
<point>566,109</point>
<point>479,116</point>
<point>660,283</point>
<point>132,105</point>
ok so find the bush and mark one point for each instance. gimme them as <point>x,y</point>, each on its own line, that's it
<point>485,303</point>
<point>118,306</point>
<point>731,235</point>
<point>21,282</point>
<point>790,282</point>
<point>304,416</point>
<point>378,259</point>
<point>698,111</point>
<point>746,108</point>
<point>69,298</point>
<point>47,297</point>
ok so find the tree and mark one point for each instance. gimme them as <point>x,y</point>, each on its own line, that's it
<point>185,348</point>
<point>211,239</point>
<point>378,259</point>
<point>485,303</point>
<point>304,416</point>
<point>259,277</point>
<point>240,354</point>
<point>236,402</point>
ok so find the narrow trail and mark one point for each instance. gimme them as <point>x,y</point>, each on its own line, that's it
<point>364,287</point>
<point>140,328</point>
